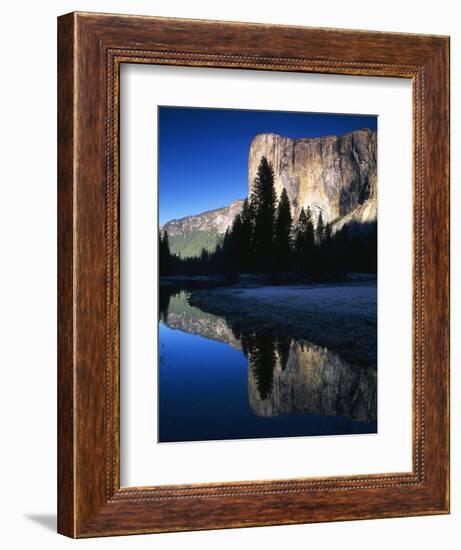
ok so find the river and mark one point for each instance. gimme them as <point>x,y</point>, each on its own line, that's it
<point>218,380</point>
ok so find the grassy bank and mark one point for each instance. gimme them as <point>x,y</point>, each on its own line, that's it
<point>340,317</point>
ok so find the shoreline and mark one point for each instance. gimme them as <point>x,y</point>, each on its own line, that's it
<point>264,279</point>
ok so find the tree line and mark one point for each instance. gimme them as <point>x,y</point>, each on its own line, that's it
<point>264,238</point>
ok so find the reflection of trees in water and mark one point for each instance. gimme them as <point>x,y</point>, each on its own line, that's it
<point>263,353</point>
<point>283,351</point>
<point>164,295</point>
<point>261,359</point>
<point>263,350</point>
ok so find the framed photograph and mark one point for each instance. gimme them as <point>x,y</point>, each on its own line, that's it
<point>253,275</point>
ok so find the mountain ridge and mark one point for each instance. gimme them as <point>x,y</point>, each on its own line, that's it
<point>190,234</point>
<point>175,223</point>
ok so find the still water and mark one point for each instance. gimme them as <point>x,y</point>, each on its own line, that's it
<point>216,382</point>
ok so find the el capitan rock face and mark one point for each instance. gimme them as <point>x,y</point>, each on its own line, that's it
<point>335,175</point>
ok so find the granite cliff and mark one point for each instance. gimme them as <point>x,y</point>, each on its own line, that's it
<point>335,175</point>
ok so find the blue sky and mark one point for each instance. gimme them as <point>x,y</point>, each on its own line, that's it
<point>203,153</point>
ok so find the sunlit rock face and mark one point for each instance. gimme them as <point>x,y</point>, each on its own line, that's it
<point>312,380</point>
<point>335,175</point>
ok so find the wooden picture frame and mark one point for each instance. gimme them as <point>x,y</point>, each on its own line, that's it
<point>92,48</point>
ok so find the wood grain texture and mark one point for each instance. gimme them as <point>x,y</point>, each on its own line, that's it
<point>66,471</point>
<point>91,49</point>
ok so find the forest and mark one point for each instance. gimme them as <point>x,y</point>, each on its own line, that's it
<point>264,239</point>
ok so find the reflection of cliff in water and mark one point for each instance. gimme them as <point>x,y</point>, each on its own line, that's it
<point>309,379</point>
<point>285,376</point>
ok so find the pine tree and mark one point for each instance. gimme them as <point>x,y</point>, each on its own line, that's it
<point>247,236</point>
<point>320,231</point>
<point>261,350</point>
<point>282,233</point>
<point>322,250</point>
<point>263,200</point>
<point>204,260</point>
<point>228,249</point>
<point>236,244</point>
<point>342,249</point>
<point>304,241</point>
<point>310,240</point>
<point>300,232</point>
<point>165,259</point>
<point>226,245</point>
<point>329,266</point>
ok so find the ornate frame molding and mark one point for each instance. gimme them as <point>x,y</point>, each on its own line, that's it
<point>91,49</point>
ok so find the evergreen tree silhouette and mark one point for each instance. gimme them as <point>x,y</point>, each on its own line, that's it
<point>328,261</point>
<point>236,245</point>
<point>263,202</point>
<point>309,231</point>
<point>262,360</point>
<point>300,231</point>
<point>282,233</point>
<point>319,232</point>
<point>247,236</point>
<point>304,241</point>
<point>318,270</point>
<point>227,251</point>
<point>165,260</point>
<point>340,251</point>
